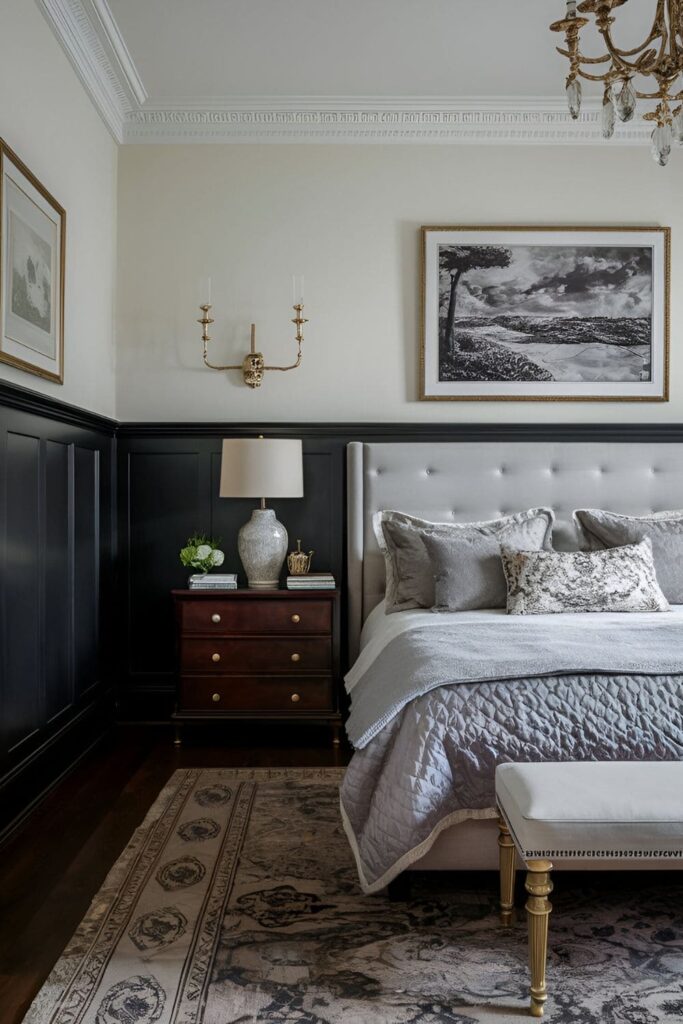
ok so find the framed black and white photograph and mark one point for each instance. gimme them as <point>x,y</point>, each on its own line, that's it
<point>548,314</point>
<point>32,249</point>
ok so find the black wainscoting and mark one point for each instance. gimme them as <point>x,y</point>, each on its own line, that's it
<point>168,487</point>
<point>56,588</point>
<point>80,494</point>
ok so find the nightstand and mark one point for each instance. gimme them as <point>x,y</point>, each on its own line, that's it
<point>250,654</point>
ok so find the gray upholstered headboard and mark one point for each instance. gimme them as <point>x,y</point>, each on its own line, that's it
<point>470,480</point>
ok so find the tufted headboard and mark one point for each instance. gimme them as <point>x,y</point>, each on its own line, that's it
<point>461,481</point>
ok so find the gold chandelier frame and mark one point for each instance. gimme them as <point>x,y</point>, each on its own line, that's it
<point>659,57</point>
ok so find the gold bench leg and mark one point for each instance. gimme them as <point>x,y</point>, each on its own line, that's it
<point>538,908</point>
<point>506,859</point>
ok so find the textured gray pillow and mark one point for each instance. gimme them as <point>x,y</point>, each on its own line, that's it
<point>615,580</point>
<point>409,572</point>
<point>467,567</point>
<point>599,530</point>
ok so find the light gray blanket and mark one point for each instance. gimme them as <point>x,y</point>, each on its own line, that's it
<point>427,657</point>
<point>433,760</point>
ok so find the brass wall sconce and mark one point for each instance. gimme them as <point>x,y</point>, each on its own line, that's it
<point>253,366</point>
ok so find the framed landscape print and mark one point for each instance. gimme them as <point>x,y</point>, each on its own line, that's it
<point>547,314</point>
<point>32,246</point>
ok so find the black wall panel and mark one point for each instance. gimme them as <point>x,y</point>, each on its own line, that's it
<point>57,535</point>
<point>168,487</point>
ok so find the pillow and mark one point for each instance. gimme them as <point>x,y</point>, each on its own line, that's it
<point>409,573</point>
<point>467,567</point>
<point>599,530</point>
<point>617,580</point>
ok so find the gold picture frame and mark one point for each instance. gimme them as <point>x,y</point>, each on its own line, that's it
<point>613,358</point>
<point>32,270</point>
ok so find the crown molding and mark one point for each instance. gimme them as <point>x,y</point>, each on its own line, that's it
<point>490,120</point>
<point>93,43</point>
<point>91,40</point>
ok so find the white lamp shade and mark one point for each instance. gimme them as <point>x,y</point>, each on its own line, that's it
<point>261,468</point>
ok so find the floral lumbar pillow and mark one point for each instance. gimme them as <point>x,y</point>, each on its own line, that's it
<point>620,579</point>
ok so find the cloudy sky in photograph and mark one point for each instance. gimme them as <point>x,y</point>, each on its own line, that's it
<point>560,280</point>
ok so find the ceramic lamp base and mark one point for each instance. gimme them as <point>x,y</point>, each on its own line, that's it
<point>262,546</point>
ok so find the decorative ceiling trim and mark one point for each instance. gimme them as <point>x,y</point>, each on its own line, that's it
<point>91,40</point>
<point>513,121</point>
<point>93,43</point>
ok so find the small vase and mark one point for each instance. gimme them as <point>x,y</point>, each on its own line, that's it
<point>262,546</point>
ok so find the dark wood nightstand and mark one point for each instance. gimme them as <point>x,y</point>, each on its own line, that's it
<point>250,654</point>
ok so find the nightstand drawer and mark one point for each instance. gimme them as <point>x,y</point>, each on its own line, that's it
<point>256,616</point>
<point>273,655</point>
<point>246,693</point>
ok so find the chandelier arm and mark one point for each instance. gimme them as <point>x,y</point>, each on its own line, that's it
<point>583,60</point>
<point>658,31</point>
<point>607,77</point>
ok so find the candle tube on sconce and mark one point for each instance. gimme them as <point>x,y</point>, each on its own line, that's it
<point>205,291</point>
<point>297,290</point>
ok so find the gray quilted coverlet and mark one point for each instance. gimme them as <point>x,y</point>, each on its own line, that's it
<point>434,759</point>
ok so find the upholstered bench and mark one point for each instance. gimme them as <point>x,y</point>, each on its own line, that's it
<point>619,813</point>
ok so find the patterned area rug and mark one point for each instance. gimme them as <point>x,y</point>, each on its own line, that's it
<point>237,902</point>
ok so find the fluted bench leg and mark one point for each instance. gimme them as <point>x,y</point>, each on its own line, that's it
<point>507,856</point>
<point>538,908</point>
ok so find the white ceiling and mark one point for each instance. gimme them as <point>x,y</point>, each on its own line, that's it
<point>434,70</point>
<point>218,48</point>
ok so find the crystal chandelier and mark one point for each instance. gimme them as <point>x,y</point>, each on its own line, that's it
<point>656,64</point>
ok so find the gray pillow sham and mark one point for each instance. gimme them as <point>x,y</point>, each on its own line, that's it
<point>599,529</point>
<point>409,571</point>
<point>615,580</point>
<point>467,567</point>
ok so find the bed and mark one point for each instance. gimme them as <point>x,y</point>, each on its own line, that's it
<point>442,776</point>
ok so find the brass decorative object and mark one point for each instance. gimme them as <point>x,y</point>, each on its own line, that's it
<point>298,562</point>
<point>253,366</point>
<point>658,61</point>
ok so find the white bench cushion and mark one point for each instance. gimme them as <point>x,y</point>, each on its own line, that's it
<point>594,809</point>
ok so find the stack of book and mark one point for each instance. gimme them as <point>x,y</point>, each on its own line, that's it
<point>213,581</point>
<point>312,581</point>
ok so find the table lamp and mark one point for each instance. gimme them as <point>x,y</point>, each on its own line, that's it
<point>262,468</point>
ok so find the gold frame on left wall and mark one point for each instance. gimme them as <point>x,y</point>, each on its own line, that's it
<point>57,375</point>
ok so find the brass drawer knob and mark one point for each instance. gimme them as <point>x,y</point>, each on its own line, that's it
<point>215,657</point>
<point>215,697</point>
<point>296,618</point>
<point>295,698</point>
<point>215,617</point>
<point>296,657</point>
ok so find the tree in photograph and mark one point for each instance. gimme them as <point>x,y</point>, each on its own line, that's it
<point>456,260</point>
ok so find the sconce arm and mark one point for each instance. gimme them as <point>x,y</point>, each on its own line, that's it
<point>213,366</point>
<point>292,366</point>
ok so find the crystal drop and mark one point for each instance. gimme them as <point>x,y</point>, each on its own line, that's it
<point>677,126</point>
<point>574,98</point>
<point>661,144</point>
<point>608,116</point>
<point>626,101</point>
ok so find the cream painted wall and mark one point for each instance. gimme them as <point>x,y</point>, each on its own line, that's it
<point>48,120</point>
<point>347,217</point>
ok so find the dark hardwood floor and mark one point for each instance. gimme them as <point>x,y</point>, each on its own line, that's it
<point>54,865</point>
